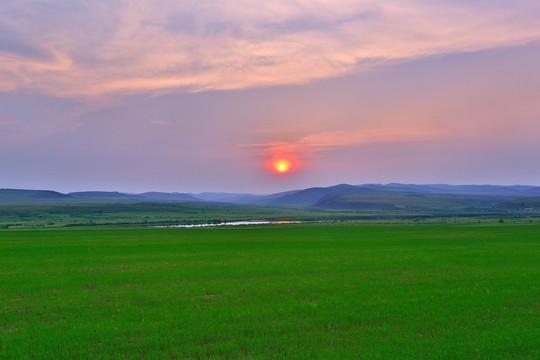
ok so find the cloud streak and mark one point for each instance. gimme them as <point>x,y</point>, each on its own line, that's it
<point>335,139</point>
<point>92,49</point>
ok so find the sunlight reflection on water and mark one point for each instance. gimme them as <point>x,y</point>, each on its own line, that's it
<point>232,223</point>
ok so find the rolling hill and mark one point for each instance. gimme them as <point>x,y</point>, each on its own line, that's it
<point>393,196</point>
<point>112,195</point>
<point>147,196</point>
<point>520,204</point>
<point>512,190</point>
<point>311,195</point>
<point>234,198</point>
<point>29,196</point>
<point>153,195</point>
<point>406,202</point>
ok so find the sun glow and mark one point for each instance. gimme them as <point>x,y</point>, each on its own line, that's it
<point>281,166</point>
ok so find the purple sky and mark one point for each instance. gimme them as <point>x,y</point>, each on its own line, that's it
<point>167,95</point>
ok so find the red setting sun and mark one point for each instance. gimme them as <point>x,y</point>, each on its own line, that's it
<point>281,165</point>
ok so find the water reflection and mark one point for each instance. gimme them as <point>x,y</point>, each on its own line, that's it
<point>232,223</point>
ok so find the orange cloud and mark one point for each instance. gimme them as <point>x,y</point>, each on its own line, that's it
<point>334,139</point>
<point>136,46</point>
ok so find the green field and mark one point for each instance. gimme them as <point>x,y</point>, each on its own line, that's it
<point>155,213</point>
<point>169,213</point>
<point>302,291</point>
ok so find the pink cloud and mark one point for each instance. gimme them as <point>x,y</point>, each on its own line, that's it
<point>135,46</point>
<point>335,139</point>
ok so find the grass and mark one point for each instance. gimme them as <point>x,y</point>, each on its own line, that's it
<point>166,213</point>
<point>314,291</point>
<point>147,213</point>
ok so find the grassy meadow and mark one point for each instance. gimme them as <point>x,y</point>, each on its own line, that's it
<point>157,213</point>
<point>170,213</point>
<point>302,291</point>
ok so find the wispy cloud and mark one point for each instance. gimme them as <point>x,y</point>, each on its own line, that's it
<point>335,139</point>
<point>81,48</point>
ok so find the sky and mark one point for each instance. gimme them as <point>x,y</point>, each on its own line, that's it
<point>194,96</point>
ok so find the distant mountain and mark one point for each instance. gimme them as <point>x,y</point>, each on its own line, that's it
<point>243,198</point>
<point>29,196</point>
<point>513,190</point>
<point>413,201</point>
<point>312,195</point>
<point>235,198</point>
<point>168,196</point>
<point>147,196</point>
<point>395,187</point>
<point>109,195</point>
<point>325,197</point>
<point>535,191</point>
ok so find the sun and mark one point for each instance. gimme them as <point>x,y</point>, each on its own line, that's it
<point>281,166</point>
